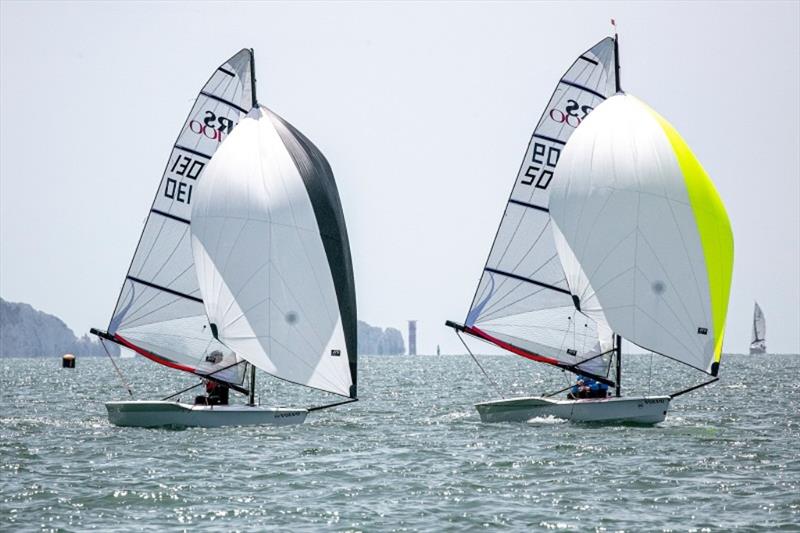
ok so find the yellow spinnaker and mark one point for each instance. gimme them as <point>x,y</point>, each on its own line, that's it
<point>714,227</point>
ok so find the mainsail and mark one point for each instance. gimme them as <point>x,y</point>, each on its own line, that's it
<point>160,312</point>
<point>273,258</point>
<point>759,343</point>
<point>642,233</point>
<point>523,302</point>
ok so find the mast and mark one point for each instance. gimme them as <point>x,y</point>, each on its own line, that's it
<point>618,349</point>
<point>616,57</point>
<point>253,77</point>
<point>252,400</point>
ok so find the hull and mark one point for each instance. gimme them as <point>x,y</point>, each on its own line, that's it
<point>758,351</point>
<point>149,414</point>
<point>636,410</point>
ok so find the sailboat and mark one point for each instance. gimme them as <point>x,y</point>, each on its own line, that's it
<point>244,263</point>
<point>613,230</point>
<point>758,345</point>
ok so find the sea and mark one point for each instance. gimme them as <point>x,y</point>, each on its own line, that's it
<point>411,455</point>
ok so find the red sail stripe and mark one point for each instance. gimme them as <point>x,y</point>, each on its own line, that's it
<point>511,348</point>
<point>152,356</point>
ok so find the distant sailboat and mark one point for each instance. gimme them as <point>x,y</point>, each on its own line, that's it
<point>758,345</point>
<point>244,263</point>
<point>612,230</point>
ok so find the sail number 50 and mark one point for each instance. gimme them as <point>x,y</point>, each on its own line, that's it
<point>544,160</point>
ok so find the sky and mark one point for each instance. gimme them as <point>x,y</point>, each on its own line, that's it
<point>424,111</point>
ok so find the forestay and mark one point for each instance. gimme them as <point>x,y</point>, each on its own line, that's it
<point>643,234</point>
<point>160,311</point>
<point>523,302</point>
<point>273,258</point>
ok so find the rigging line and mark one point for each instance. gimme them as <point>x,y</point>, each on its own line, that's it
<point>121,377</point>
<point>566,332</point>
<point>650,374</point>
<point>327,406</point>
<point>203,376</point>
<point>479,366</point>
<point>187,389</point>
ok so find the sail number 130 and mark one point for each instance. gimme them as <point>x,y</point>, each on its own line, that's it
<point>185,167</point>
<point>543,162</point>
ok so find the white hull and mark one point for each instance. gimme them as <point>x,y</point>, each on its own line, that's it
<point>636,409</point>
<point>173,414</point>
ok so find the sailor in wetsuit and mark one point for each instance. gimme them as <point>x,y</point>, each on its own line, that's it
<point>587,387</point>
<point>217,393</point>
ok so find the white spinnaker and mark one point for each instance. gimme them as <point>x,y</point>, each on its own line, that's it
<point>159,312</point>
<point>522,298</point>
<point>759,328</point>
<point>265,278</point>
<point>622,209</point>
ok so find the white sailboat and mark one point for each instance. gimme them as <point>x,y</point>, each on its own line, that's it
<point>244,263</point>
<point>612,230</point>
<point>758,344</point>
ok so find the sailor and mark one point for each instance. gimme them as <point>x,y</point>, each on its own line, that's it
<point>578,390</point>
<point>218,394</point>
<point>598,390</point>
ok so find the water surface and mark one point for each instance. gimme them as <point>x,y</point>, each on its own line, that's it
<point>412,455</point>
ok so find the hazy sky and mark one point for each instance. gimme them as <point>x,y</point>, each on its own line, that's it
<point>424,112</point>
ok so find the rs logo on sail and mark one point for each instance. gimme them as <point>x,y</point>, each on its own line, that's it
<point>213,127</point>
<point>570,114</point>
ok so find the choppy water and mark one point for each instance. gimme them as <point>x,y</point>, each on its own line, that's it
<point>411,456</point>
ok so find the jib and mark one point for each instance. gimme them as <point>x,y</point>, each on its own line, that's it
<point>213,127</point>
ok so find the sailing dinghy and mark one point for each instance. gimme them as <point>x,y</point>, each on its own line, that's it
<point>613,230</point>
<point>758,345</point>
<point>243,264</point>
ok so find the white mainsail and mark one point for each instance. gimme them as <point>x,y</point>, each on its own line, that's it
<point>160,312</point>
<point>643,234</point>
<point>523,302</point>
<point>758,344</point>
<point>272,255</point>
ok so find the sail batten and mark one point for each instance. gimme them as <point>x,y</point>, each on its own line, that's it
<point>523,299</point>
